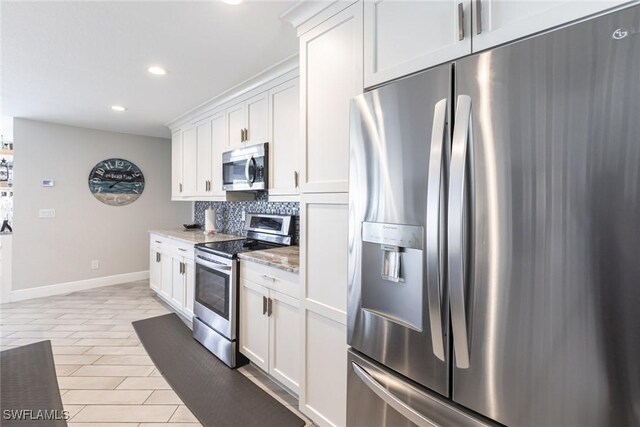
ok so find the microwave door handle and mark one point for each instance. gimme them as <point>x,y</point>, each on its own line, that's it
<point>246,171</point>
<point>255,170</point>
<point>435,195</point>
<point>251,178</point>
<point>461,148</point>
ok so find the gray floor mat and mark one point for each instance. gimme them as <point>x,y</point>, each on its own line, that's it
<point>217,395</point>
<point>29,393</point>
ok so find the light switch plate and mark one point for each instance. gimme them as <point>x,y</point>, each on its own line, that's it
<point>47,213</point>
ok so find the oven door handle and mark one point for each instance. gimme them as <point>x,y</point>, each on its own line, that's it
<point>218,266</point>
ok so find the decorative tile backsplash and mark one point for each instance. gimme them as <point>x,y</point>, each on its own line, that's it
<point>229,214</point>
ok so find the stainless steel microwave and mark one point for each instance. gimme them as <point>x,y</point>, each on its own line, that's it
<point>246,168</point>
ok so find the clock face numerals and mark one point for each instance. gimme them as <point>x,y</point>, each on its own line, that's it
<point>116,182</point>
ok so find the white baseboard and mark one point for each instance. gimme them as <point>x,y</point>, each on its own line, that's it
<point>80,285</point>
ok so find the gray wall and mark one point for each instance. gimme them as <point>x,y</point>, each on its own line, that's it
<point>57,250</point>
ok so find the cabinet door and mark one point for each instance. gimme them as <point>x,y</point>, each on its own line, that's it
<point>284,339</point>
<point>324,226</point>
<point>236,122</point>
<point>502,21</point>
<point>254,324</point>
<point>257,109</point>
<point>190,283</point>
<point>218,147</point>
<point>166,276</point>
<point>284,108</point>
<point>203,158</point>
<point>323,394</point>
<point>402,37</point>
<point>155,270</point>
<point>331,74</point>
<point>189,159</point>
<point>178,285</point>
<point>176,165</point>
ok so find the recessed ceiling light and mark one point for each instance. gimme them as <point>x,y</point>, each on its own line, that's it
<point>158,71</point>
<point>233,2</point>
<point>118,108</point>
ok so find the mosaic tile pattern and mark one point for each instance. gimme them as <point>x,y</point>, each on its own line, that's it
<point>229,214</point>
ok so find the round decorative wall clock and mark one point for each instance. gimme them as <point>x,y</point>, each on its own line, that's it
<point>116,182</point>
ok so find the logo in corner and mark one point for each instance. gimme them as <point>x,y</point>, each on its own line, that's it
<point>620,33</point>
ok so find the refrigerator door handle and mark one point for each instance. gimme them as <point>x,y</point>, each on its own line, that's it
<point>390,399</point>
<point>439,139</point>
<point>462,144</point>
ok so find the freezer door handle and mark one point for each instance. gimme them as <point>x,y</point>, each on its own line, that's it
<point>391,399</point>
<point>435,191</point>
<point>461,147</point>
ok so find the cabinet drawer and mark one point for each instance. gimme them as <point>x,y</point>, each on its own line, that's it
<point>159,242</point>
<point>183,250</point>
<point>282,281</point>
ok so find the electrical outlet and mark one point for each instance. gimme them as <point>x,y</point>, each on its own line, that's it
<point>95,264</point>
<point>47,213</point>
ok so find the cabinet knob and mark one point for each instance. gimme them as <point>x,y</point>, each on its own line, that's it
<point>264,304</point>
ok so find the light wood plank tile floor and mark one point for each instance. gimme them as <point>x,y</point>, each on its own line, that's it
<point>105,376</point>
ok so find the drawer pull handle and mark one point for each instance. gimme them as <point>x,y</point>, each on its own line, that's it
<point>273,279</point>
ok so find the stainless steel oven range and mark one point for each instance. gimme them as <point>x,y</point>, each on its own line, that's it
<point>216,306</point>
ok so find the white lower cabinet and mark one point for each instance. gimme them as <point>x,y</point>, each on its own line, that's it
<point>254,324</point>
<point>172,273</point>
<point>166,276</point>
<point>269,322</point>
<point>155,269</point>
<point>190,286</point>
<point>324,223</point>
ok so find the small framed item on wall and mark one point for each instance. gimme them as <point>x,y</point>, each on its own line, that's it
<point>116,182</point>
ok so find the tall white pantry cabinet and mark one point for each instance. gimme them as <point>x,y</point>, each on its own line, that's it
<point>330,75</point>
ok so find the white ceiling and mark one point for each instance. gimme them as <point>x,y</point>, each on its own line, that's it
<point>69,62</point>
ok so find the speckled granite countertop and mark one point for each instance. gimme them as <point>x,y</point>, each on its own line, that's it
<point>195,236</point>
<point>285,258</point>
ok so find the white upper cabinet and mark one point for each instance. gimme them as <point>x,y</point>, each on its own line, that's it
<point>248,122</point>
<point>402,37</point>
<point>236,121</point>
<point>189,155</point>
<point>204,157</point>
<point>284,105</point>
<point>176,165</point>
<point>218,141</point>
<point>330,75</point>
<point>501,21</point>
<point>257,126</point>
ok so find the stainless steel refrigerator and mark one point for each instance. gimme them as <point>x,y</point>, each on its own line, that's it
<point>494,237</point>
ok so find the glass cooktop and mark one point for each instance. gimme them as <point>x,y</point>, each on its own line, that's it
<point>232,248</point>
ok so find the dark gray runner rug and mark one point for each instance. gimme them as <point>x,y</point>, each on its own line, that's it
<point>29,393</point>
<point>217,395</point>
